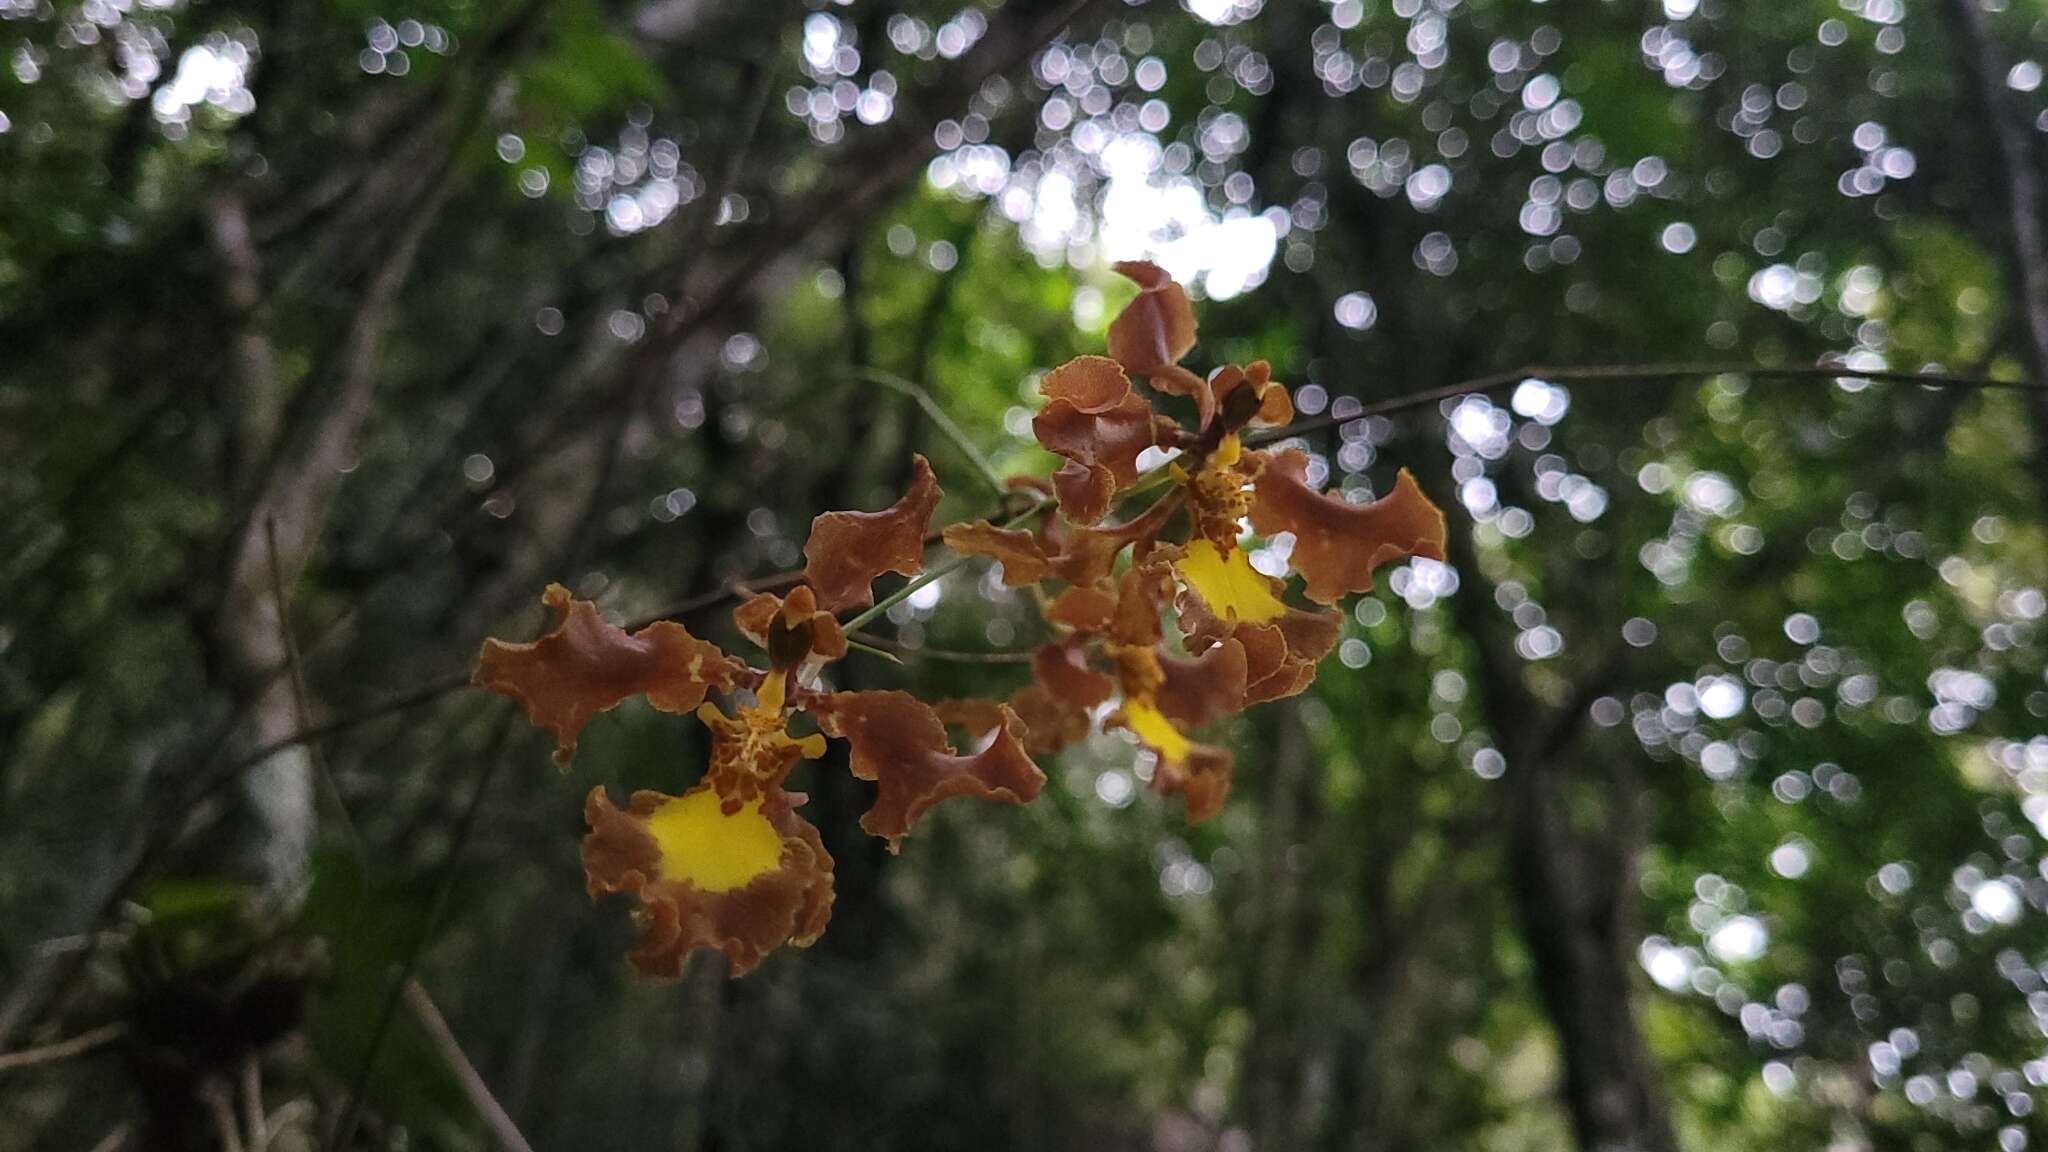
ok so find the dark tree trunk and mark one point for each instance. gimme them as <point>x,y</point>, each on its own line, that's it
<point>2014,174</point>
<point>1575,896</point>
<point>1573,835</point>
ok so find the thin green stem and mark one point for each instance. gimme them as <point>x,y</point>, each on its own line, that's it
<point>952,431</point>
<point>1656,373</point>
<point>871,648</point>
<point>303,709</point>
<point>934,574</point>
<point>343,1133</point>
<point>892,650</point>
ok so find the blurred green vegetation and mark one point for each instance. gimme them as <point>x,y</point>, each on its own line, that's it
<point>1699,802</point>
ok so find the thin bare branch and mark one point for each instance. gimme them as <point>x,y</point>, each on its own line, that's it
<point>901,653</point>
<point>1653,373</point>
<point>303,709</point>
<point>945,424</point>
<point>254,1118</point>
<point>344,1130</point>
<point>77,1045</point>
<point>503,1130</point>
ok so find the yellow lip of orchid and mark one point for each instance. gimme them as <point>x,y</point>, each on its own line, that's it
<point>1228,584</point>
<point>1227,452</point>
<point>712,850</point>
<point>1153,729</point>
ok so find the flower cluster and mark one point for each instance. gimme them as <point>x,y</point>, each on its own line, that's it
<point>1185,630</point>
<point>729,864</point>
<point>1157,621</point>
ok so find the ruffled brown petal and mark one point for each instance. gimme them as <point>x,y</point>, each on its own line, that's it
<point>1050,723</point>
<point>1156,328</point>
<point>1092,418</point>
<point>1203,777</point>
<point>1205,689</point>
<point>1085,490</point>
<point>1276,407</point>
<point>1084,556</point>
<point>1290,666</point>
<point>1200,772</point>
<point>976,715</point>
<point>1142,594</point>
<point>1024,562</point>
<point>1281,652</point>
<point>584,666</point>
<point>847,550</point>
<point>803,626</point>
<point>900,743</point>
<point>1175,380</point>
<point>1083,609</point>
<point>744,882</point>
<point>1063,670</point>
<point>1248,395</point>
<point>1337,544</point>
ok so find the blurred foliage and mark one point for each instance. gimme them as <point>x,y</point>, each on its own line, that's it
<point>1776,643</point>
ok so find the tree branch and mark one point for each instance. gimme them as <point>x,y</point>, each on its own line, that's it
<point>1652,373</point>
<point>77,1045</point>
<point>503,1130</point>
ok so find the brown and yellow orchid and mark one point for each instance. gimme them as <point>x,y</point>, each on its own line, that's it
<point>1157,623</point>
<point>729,863</point>
<point>1236,641</point>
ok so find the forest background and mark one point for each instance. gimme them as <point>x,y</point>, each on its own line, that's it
<point>1699,799</point>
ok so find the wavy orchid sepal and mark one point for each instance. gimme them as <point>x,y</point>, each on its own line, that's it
<point>744,882</point>
<point>1093,420</point>
<point>900,742</point>
<point>1337,544</point>
<point>1157,327</point>
<point>1018,550</point>
<point>848,550</point>
<point>585,665</point>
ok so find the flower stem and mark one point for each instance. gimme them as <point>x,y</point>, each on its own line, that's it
<point>934,574</point>
<point>946,426</point>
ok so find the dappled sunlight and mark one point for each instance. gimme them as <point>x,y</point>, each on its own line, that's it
<point>1556,658</point>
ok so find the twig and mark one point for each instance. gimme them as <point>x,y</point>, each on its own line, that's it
<point>425,694</point>
<point>1640,373</point>
<point>708,218</point>
<point>303,711</point>
<point>77,1045</point>
<point>344,1130</point>
<point>253,1116</point>
<point>65,945</point>
<point>934,574</point>
<point>219,1102</point>
<point>893,650</point>
<point>868,645</point>
<point>946,426</point>
<point>436,1027</point>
